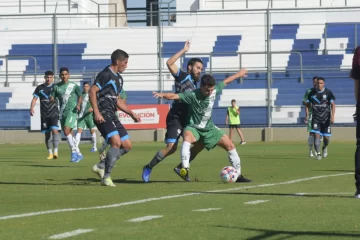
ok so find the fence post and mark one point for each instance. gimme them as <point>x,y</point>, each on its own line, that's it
<point>240,63</point>
<point>160,51</point>
<point>355,33</point>
<point>325,52</point>
<point>98,15</point>
<point>268,44</point>
<point>6,72</point>
<point>55,47</point>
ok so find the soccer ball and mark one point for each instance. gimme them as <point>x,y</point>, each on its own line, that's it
<point>229,174</point>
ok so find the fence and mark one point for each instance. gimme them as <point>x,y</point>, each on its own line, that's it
<point>268,61</point>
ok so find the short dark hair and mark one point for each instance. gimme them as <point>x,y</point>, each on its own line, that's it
<point>63,69</point>
<point>315,78</point>
<point>49,73</point>
<point>86,83</point>
<point>118,54</point>
<point>321,78</point>
<point>208,80</point>
<point>192,61</point>
<point>233,100</point>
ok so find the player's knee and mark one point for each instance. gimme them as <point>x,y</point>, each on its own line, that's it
<point>115,142</point>
<point>126,145</point>
<point>79,130</point>
<point>228,145</point>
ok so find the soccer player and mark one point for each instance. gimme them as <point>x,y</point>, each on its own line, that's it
<point>69,96</point>
<point>308,117</point>
<point>201,127</point>
<point>102,153</point>
<point>321,100</point>
<point>85,118</point>
<point>177,116</point>
<point>105,101</point>
<point>355,74</point>
<point>233,120</point>
<point>49,113</point>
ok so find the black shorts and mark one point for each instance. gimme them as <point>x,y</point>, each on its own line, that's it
<point>234,126</point>
<point>323,129</point>
<point>112,126</point>
<point>49,123</point>
<point>174,127</point>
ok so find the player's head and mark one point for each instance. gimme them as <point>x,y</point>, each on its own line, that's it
<point>233,102</point>
<point>315,81</point>
<point>49,77</point>
<point>64,74</point>
<point>86,87</point>
<point>320,83</point>
<point>207,84</point>
<point>119,59</point>
<point>194,68</point>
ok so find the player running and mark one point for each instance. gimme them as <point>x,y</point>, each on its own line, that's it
<point>321,100</point>
<point>49,113</point>
<point>70,98</point>
<point>201,127</point>
<point>176,118</point>
<point>308,117</point>
<point>105,101</point>
<point>85,118</point>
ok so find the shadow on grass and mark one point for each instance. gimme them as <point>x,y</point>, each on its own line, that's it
<point>283,234</point>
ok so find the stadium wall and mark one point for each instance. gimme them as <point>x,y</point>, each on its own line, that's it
<point>251,134</point>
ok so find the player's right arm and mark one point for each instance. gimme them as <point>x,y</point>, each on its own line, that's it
<point>174,70</point>
<point>227,117</point>
<point>167,96</point>
<point>98,84</point>
<point>33,101</point>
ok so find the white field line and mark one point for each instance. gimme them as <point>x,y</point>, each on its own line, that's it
<point>70,234</point>
<point>145,218</point>
<point>323,193</point>
<point>256,202</point>
<point>31,214</point>
<point>206,209</point>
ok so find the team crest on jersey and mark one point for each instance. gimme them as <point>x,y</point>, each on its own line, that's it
<point>178,132</point>
<point>315,125</point>
<point>324,96</point>
<point>212,98</point>
<point>44,125</point>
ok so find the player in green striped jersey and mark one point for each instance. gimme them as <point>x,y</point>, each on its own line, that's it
<point>308,118</point>
<point>70,98</point>
<point>200,127</point>
<point>86,118</point>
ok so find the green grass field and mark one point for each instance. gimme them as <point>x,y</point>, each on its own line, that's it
<point>31,187</point>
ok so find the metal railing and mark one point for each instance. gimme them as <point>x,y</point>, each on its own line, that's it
<point>7,57</point>
<point>271,3</point>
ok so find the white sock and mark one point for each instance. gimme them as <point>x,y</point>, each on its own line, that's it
<point>235,160</point>
<point>70,140</point>
<point>104,146</point>
<point>50,151</point>
<point>311,142</point>
<point>55,150</point>
<point>185,154</point>
<point>78,138</point>
<point>93,139</point>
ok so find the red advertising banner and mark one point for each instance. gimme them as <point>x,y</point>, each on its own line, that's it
<point>152,116</point>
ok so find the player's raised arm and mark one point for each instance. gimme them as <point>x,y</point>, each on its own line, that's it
<point>242,73</point>
<point>167,96</point>
<point>171,61</point>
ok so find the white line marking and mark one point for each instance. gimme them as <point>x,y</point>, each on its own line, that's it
<point>323,193</point>
<point>146,218</point>
<point>257,202</point>
<point>31,214</point>
<point>70,234</point>
<point>206,209</point>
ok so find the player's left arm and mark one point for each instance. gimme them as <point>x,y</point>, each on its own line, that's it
<point>242,73</point>
<point>78,93</point>
<point>122,106</point>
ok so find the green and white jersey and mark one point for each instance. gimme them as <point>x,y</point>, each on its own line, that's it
<point>200,107</point>
<point>67,94</point>
<point>306,98</point>
<point>85,105</point>
<point>122,94</point>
